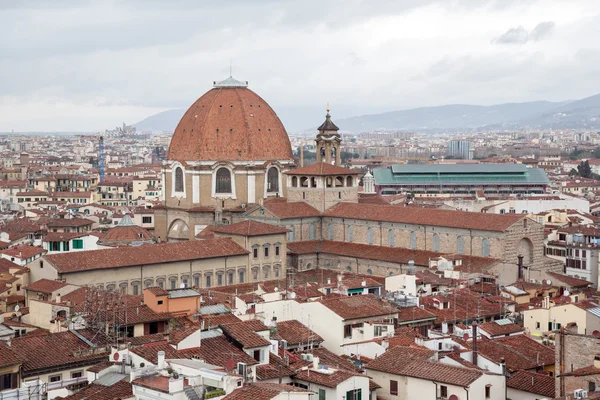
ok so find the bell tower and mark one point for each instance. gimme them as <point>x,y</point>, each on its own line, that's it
<point>328,142</point>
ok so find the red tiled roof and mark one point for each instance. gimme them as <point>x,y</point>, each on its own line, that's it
<point>330,380</point>
<point>23,252</point>
<point>8,356</point>
<point>363,306</point>
<point>532,382</point>
<point>421,216</point>
<point>569,280</point>
<point>217,351</point>
<point>495,329</point>
<point>68,222</point>
<point>230,123</point>
<point>46,286</point>
<point>149,352</point>
<point>263,391</point>
<point>144,255</point>
<point>396,359</point>
<point>45,351</point>
<point>322,169</point>
<point>295,332</point>
<point>245,334</point>
<point>444,373</point>
<point>283,209</point>
<point>249,228</point>
<point>410,314</point>
<point>585,371</point>
<point>117,391</point>
<point>130,233</point>
<point>63,236</point>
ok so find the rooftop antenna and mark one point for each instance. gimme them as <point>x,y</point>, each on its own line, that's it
<point>230,68</point>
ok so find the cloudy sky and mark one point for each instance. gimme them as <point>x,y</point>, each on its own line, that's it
<point>90,65</point>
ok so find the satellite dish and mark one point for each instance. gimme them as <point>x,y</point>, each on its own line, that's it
<point>17,308</point>
<point>566,293</point>
<point>596,333</point>
<point>548,282</point>
<point>182,286</point>
<point>501,287</point>
<point>293,295</point>
<point>466,336</point>
<point>116,356</point>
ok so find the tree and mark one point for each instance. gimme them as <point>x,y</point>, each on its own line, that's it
<point>576,154</point>
<point>584,170</point>
<point>573,172</point>
<point>596,152</point>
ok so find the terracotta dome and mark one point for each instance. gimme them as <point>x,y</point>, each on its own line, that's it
<point>230,122</point>
<point>126,232</point>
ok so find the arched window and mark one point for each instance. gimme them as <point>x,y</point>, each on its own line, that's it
<point>311,232</point>
<point>391,239</point>
<point>370,271</point>
<point>178,179</point>
<point>330,231</point>
<point>370,235</point>
<point>223,181</point>
<point>294,181</point>
<point>413,240</point>
<point>349,268</point>
<point>485,248</point>
<point>349,181</point>
<point>436,242</point>
<point>460,245</point>
<point>273,180</point>
<point>350,234</point>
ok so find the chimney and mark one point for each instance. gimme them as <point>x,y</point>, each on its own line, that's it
<point>520,265</point>
<point>161,359</point>
<point>315,362</point>
<point>175,384</point>
<point>302,155</point>
<point>58,298</point>
<point>597,361</point>
<point>474,359</point>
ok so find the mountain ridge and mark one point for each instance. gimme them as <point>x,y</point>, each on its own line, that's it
<point>582,113</point>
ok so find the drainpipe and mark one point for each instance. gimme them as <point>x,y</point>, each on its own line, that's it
<point>467,390</point>
<point>474,358</point>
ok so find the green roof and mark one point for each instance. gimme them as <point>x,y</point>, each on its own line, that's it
<point>459,174</point>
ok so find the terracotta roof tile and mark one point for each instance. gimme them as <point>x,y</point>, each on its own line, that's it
<point>295,332</point>
<point>144,255</point>
<point>23,252</point>
<point>363,306</point>
<point>46,286</point>
<point>117,391</point>
<point>283,209</point>
<point>245,334</point>
<point>230,123</point>
<point>420,216</point>
<point>532,382</point>
<point>396,359</point>
<point>263,391</point>
<point>217,351</point>
<point>495,329</point>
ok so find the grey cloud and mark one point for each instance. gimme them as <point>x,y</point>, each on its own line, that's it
<point>520,35</point>
<point>542,30</point>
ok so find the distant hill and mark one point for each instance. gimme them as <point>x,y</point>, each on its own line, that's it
<point>163,121</point>
<point>455,116</point>
<point>584,113</point>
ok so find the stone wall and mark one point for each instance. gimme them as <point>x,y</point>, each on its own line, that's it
<point>579,352</point>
